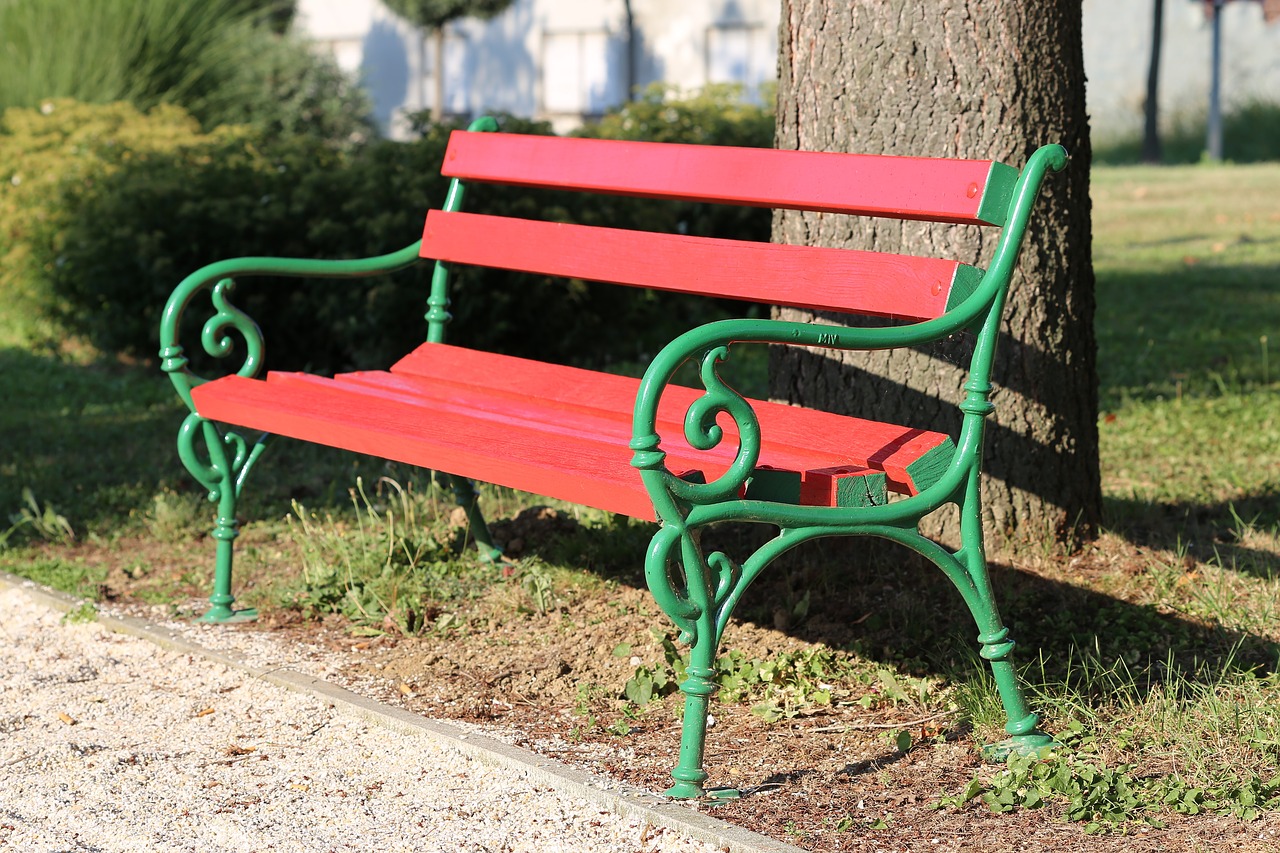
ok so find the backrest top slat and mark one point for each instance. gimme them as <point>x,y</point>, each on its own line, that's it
<point>962,191</point>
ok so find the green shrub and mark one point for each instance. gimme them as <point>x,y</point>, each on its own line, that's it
<point>221,60</point>
<point>113,207</point>
<point>51,160</point>
<point>282,87</point>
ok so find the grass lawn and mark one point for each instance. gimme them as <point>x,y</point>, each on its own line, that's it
<point>1153,651</point>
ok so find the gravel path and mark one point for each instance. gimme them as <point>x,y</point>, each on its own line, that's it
<point>110,743</point>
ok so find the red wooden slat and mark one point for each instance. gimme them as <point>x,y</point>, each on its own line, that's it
<point>873,283</point>
<point>876,185</point>
<point>834,440</point>
<point>570,468</point>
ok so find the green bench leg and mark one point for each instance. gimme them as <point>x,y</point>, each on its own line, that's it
<point>698,688</point>
<point>702,601</point>
<point>1025,737</point>
<point>223,474</point>
<point>225,531</point>
<point>464,492</point>
<point>968,570</point>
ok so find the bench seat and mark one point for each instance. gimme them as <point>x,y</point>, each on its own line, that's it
<point>553,430</point>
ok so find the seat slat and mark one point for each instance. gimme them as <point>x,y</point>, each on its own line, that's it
<point>824,279</point>
<point>908,456</point>
<point>572,469</point>
<point>973,192</point>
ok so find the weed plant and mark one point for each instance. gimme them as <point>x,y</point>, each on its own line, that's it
<point>385,569</point>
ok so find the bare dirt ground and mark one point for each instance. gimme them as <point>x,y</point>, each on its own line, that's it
<point>830,779</point>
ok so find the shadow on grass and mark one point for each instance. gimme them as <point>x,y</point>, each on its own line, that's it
<point>90,440</point>
<point>890,606</point>
<point>1217,533</point>
<point>1194,329</point>
<point>97,442</point>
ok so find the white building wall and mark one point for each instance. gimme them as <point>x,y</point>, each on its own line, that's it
<point>1117,54</point>
<point>565,59</point>
<point>561,60</point>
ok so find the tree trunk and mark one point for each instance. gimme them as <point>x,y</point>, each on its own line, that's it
<point>1151,106</point>
<point>437,72</point>
<point>960,79</point>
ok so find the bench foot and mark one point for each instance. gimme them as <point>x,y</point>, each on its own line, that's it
<point>221,614</point>
<point>685,791</point>
<point>1035,744</point>
<point>712,796</point>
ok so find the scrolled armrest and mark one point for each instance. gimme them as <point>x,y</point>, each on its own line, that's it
<point>219,279</point>
<point>709,345</point>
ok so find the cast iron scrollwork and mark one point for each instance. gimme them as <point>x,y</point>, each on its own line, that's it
<point>220,468</point>
<point>218,343</point>
<point>692,588</point>
<point>215,335</point>
<point>703,432</point>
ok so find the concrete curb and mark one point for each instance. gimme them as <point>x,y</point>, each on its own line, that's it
<point>632,803</point>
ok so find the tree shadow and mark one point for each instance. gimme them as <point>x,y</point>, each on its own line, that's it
<point>81,438</point>
<point>890,606</point>
<point>1219,533</point>
<point>96,442</point>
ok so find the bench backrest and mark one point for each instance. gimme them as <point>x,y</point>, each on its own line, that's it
<point>973,192</point>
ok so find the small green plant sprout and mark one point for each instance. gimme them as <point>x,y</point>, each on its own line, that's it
<point>44,521</point>
<point>1106,798</point>
<point>535,581</point>
<point>621,727</point>
<point>84,612</point>
<point>903,741</point>
<point>790,685</point>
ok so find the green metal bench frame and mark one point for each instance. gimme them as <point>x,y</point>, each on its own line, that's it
<point>697,590</point>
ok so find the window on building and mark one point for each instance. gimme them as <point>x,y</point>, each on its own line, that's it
<point>582,72</point>
<point>745,54</point>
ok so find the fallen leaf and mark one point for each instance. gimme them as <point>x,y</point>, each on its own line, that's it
<point>236,749</point>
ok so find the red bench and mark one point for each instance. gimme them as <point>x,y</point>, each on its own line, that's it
<point>647,448</point>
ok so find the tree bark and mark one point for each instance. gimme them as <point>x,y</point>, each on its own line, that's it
<point>1151,106</point>
<point>437,72</point>
<point>960,79</point>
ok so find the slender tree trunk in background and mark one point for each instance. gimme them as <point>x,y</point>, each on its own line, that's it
<point>1151,107</point>
<point>629,25</point>
<point>960,79</point>
<point>437,70</point>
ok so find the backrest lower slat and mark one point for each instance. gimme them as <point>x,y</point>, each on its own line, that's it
<point>974,192</point>
<point>825,279</point>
